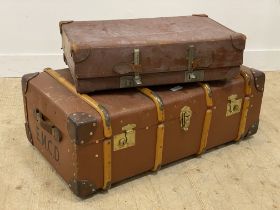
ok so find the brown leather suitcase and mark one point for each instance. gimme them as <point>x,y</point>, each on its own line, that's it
<point>116,54</point>
<point>95,140</point>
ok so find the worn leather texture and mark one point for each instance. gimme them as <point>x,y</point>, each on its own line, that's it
<point>83,163</point>
<point>104,49</point>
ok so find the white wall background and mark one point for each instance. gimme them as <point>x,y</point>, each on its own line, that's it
<point>30,39</point>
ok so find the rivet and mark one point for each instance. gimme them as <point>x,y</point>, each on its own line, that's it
<point>96,141</point>
<point>89,115</point>
<point>147,127</point>
<point>74,174</point>
<point>252,105</point>
<point>96,155</point>
<point>74,114</point>
<point>68,150</point>
<point>121,121</point>
<point>82,142</point>
<point>91,133</point>
<point>256,78</point>
<point>258,86</point>
<point>214,107</point>
<point>93,190</point>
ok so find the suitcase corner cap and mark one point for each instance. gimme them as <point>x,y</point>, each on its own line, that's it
<point>238,41</point>
<point>81,127</point>
<point>82,188</point>
<point>259,79</point>
<point>25,79</point>
<point>200,15</point>
<point>62,23</point>
<point>252,129</point>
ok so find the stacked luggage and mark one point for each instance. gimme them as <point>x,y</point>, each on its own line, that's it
<point>139,94</point>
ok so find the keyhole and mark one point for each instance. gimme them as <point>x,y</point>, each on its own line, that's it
<point>235,108</point>
<point>122,142</point>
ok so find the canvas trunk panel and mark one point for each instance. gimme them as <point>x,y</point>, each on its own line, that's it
<point>114,54</point>
<point>99,139</point>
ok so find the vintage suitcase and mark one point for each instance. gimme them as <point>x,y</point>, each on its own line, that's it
<point>103,138</point>
<point>116,54</point>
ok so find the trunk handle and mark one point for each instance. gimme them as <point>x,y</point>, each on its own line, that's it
<point>47,125</point>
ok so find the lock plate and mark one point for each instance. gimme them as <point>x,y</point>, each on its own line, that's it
<point>233,105</point>
<point>185,117</point>
<point>127,81</point>
<point>194,76</point>
<point>130,81</point>
<point>125,139</point>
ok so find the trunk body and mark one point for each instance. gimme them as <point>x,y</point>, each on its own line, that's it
<point>116,54</point>
<point>103,138</point>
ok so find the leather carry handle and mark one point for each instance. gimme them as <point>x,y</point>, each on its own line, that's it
<point>47,125</point>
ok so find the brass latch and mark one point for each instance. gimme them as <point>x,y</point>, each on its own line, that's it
<point>185,117</point>
<point>190,74</point>
<point>125,139</point>
<point>136,62</point>
<point>190,58</point>
<point>233,105</point>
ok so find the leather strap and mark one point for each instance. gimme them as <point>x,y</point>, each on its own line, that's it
<point>157,100</point>
<point>107,163</point>
<point>207,118</point>
<point>160,130</point>
<point>246,104</point>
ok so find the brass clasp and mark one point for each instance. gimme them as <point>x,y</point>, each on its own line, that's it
<point>185,117</point>
<point>125,139</point>
<point>233,105</point>
<point>136,62</point>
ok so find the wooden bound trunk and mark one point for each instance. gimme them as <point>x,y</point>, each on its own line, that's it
<point>114,54</point>
<point>95,140</point>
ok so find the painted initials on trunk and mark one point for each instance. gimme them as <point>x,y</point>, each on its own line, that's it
<point>47,143</point>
